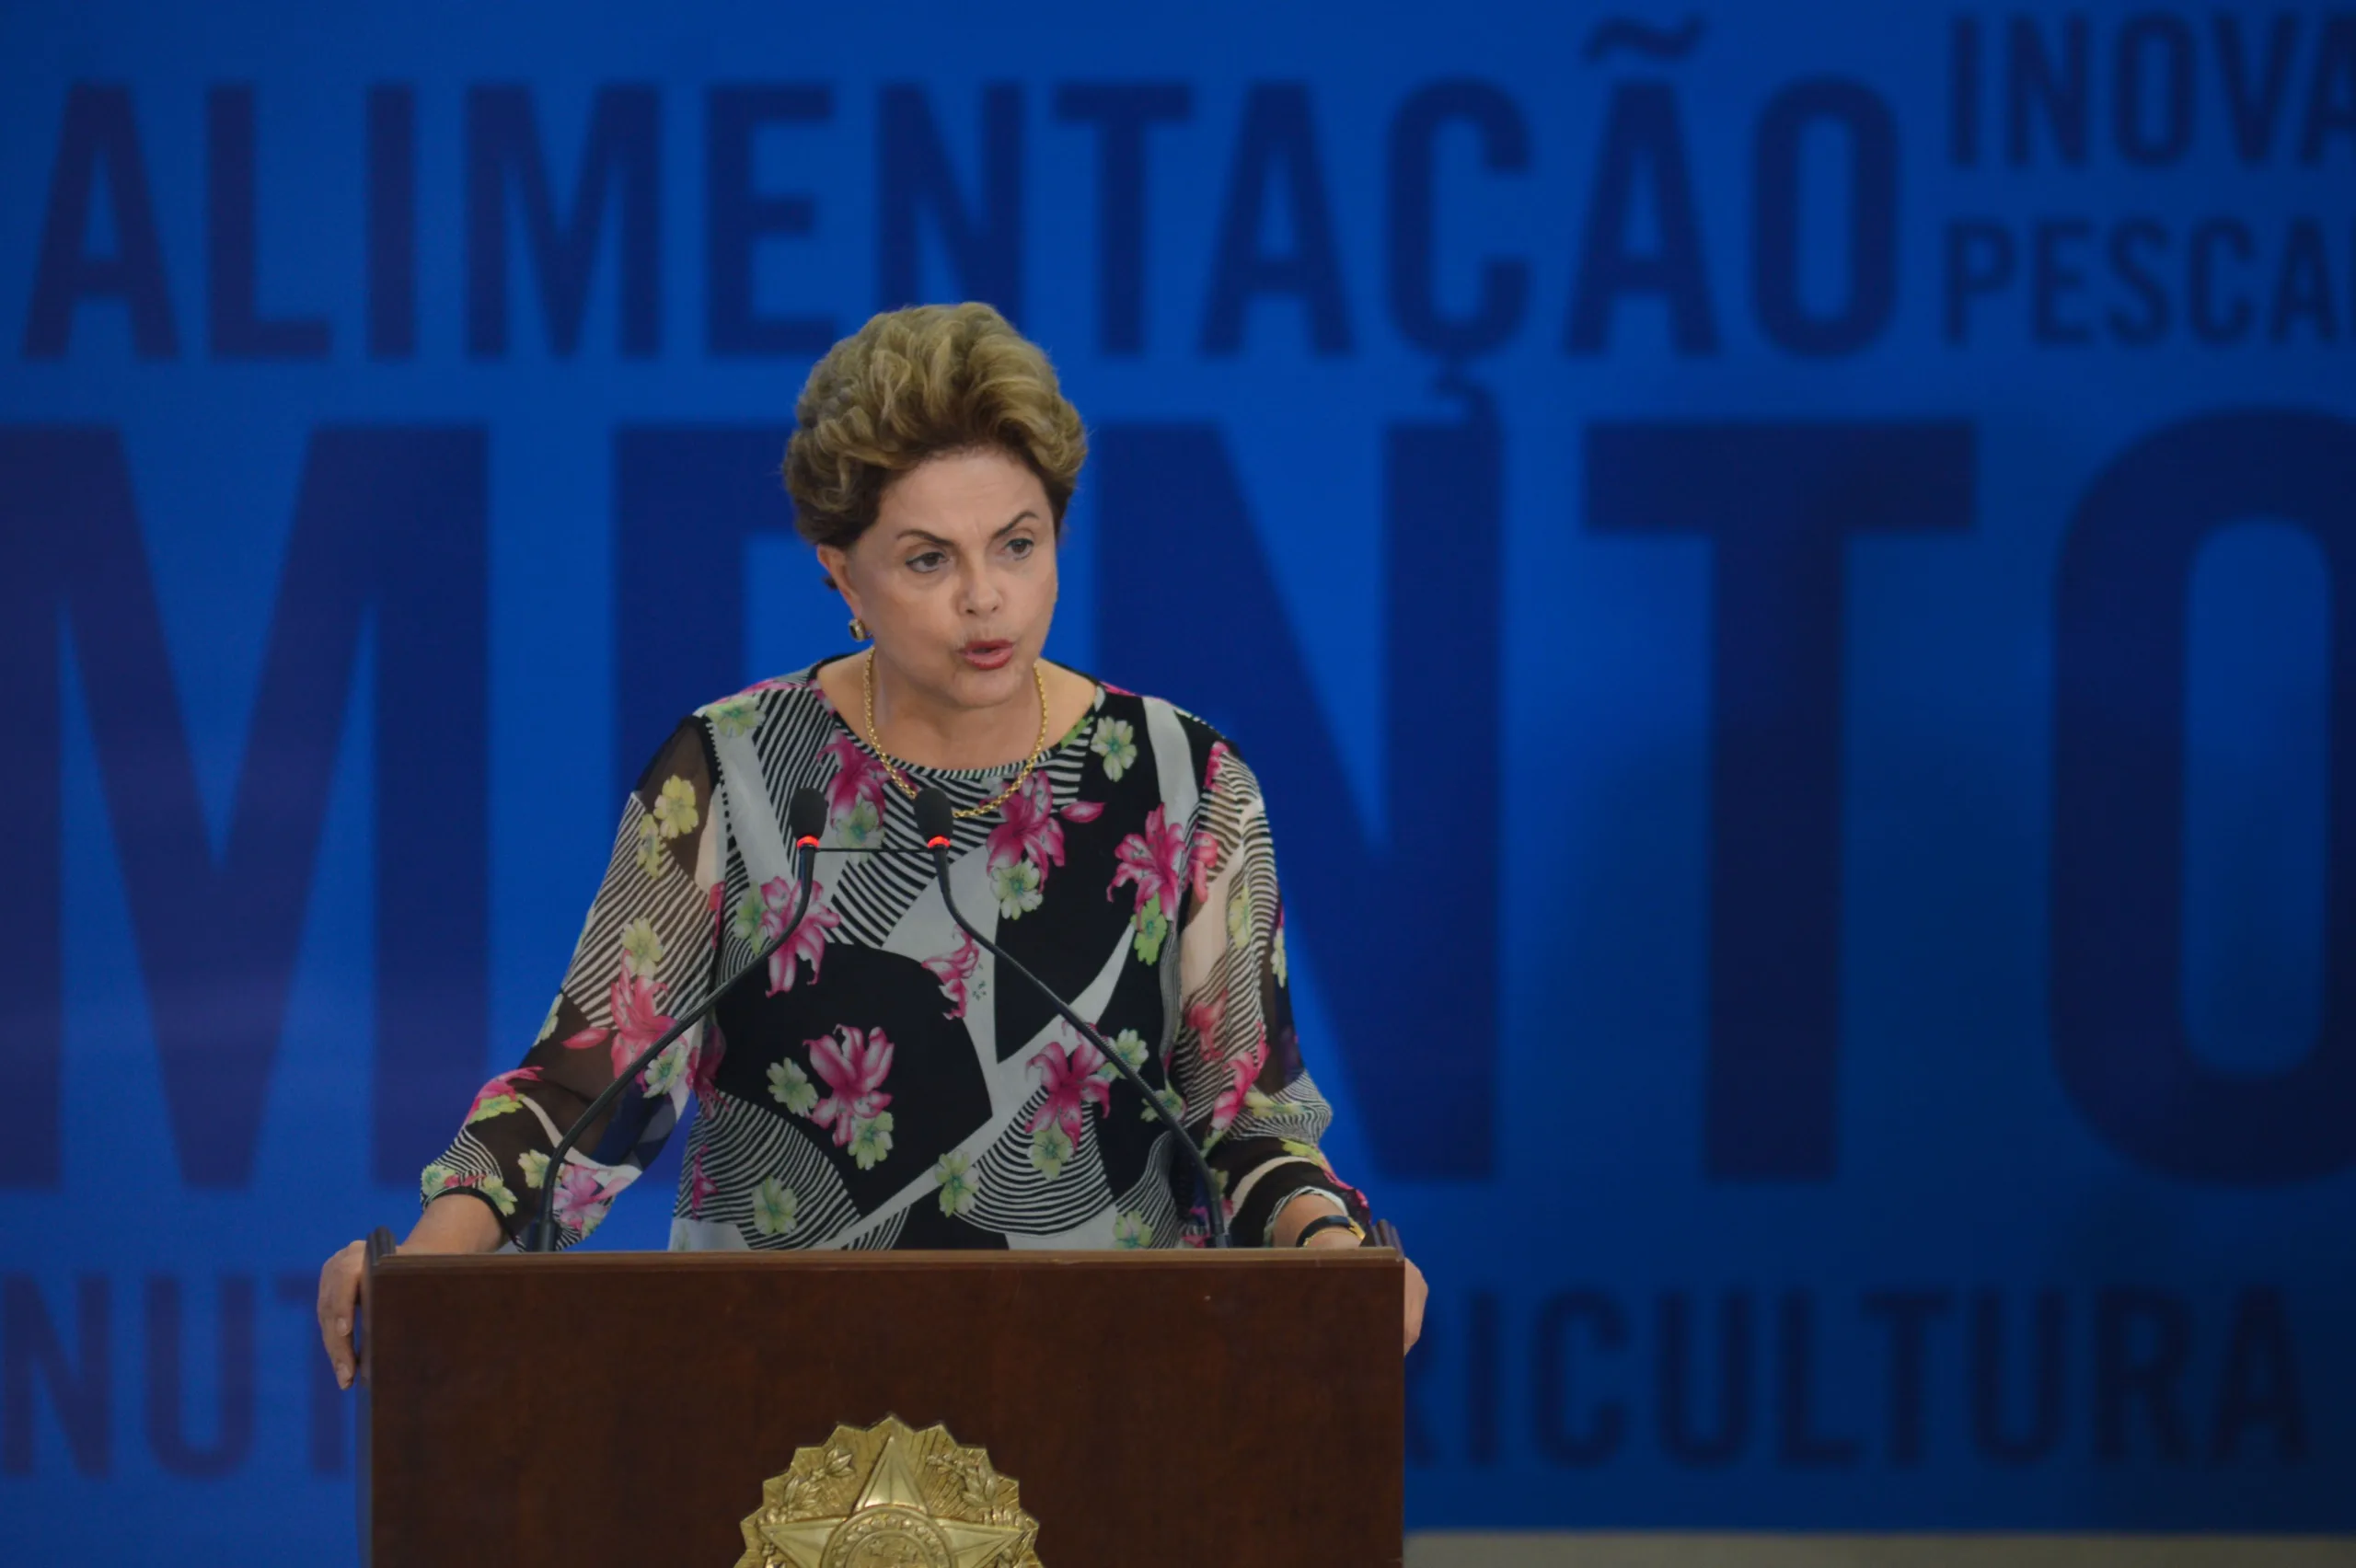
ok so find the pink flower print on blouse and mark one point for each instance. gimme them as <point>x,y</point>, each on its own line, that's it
<point>1202,858</point>
<point>637,1022</point>
<point>719,903</point>
<point>808,943</point>
<point>704,1074</point>
<point>1069,1076</point>
<point>1220,754</point>
<point>853,1064</point>
<point>858,777</point>
<point>582,1193</point>
<point>1161,861</point>
<point>952,969</point>
<point>1033,829</point>
<point>501,1094</point>
<point>1203,1018</point>
<point>699,1186</point>
<point>1154,861</point>
<point>1242,1072</point>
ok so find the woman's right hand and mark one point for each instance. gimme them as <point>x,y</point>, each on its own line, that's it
<point>464,1226</point>
<point>339,1298</point>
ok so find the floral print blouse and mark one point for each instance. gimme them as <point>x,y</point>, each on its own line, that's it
<point>878,1087</point>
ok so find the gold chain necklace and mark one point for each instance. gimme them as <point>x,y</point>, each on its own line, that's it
<point>867,689</point>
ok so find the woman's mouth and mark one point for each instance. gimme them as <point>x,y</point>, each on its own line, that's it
<point>987,656</point>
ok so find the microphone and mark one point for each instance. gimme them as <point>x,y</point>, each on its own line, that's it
<point>806,819</point>
<point>936,825</point>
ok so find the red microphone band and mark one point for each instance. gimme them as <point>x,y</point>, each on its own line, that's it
<point>936,842</point>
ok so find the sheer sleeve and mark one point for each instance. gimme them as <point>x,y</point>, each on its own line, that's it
<point>646,948</point>
<point>1236,1051</point>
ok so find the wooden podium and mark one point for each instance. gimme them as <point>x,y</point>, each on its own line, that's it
<point>1157,1410</point>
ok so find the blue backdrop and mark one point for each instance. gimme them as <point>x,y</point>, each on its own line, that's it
<point>1787,567</point>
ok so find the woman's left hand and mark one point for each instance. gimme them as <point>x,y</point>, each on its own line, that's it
<point>1416,1291</point>
<point>1416,1294</point>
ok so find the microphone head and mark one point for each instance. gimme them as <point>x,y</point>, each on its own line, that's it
<point>806,816</point>
<point>936,818</point>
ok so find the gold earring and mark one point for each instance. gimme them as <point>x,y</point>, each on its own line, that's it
<point>858,630</point>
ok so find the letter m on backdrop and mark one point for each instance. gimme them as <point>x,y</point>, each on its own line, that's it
<point>390,526</point>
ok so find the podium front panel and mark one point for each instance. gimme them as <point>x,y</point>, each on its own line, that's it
<point>1155,1407</point>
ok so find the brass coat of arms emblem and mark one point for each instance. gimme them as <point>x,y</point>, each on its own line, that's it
<point>890,1497</point>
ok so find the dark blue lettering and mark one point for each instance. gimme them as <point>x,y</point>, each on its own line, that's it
<point>166,1382</point>
<point>30,1347</point>
<point>1799,1443</point>
<point>1980,261</point>
<point>1779,503</point>
<point>2052,277</point>
<point>2253,110</point>
<point>1642,141</point>
<point>392,222</point>
<point>2118,1032</point>
<point>2331,90</point>
<point>1503,294</point>
<point>1909,1314</point>
<point>1276,150</point>
<point>1484,1379</point>
<point>100,138</point>
<point>2035,85</point>
<point>387,521</point>
<point>1176,532</point>
<point>2303,284</point>
<point>1680,1437</point>
<point>620,158</point>
<point>1989,1362</point>
<point>1122,113</point>
<point>2256,773</point>
<point>2260,1387</point>
<point>1561,1437</point>
<point>2143,1342</point>
<point>686,501</point>
<point>2126,239</point>
<point>737,218</point>
<point>2170,36</point>
<point>232,242</point>
<point>1870,131</point>
<point>2206,325</point>
<point>983,240</point>
<point>1963,92</point>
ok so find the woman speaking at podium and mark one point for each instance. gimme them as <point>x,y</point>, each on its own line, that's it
<point>883,1084</point>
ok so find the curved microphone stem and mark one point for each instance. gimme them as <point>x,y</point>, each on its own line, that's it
<point>1213,1205</point>
<point>541,1236</point>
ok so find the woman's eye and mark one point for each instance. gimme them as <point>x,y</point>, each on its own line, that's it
<point>929,561</point>
<point>1020,546</point>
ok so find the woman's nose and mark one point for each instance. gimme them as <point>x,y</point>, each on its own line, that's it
<point>982,594</point>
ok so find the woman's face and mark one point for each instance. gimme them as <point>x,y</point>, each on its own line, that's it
<point>956,580</point>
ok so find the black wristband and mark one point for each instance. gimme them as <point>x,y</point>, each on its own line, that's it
<point>1327,1222</point>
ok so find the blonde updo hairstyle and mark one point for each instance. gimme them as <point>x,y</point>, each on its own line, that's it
<point>918,383</point>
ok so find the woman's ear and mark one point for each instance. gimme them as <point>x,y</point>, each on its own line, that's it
<point>836,565</point>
